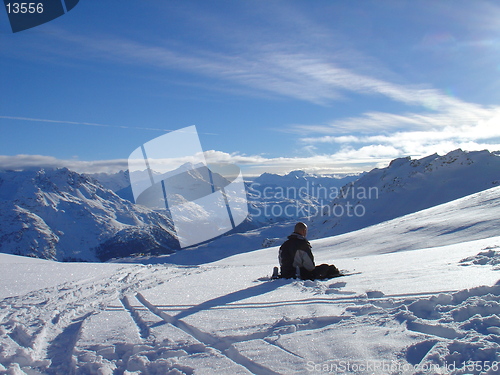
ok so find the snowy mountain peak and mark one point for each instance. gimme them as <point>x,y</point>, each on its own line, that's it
<point>16,185</point>
<point>297,174</point>
<point>399,162</point>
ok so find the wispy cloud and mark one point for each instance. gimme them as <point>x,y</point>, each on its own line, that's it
<point>289,55</point>
<point>265,68</point>
<point>439,133</point>
<point>278,69</point>
<point>287,69</point>
<point>459,123</point>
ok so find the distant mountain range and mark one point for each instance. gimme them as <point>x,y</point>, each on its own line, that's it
<point>268,194</point>
<point>276,198</point>
<point>62,215</point>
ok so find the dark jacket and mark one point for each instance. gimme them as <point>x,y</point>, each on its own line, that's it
<point>295,252</point>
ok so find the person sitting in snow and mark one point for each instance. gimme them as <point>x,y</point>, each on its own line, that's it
<point>296,258</point>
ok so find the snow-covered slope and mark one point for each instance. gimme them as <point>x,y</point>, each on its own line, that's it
<point>473,217</point>
<point>407,186</point>
<point>430,310</point>
<point>62,215</point>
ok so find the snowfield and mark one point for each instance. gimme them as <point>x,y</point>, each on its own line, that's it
<point>405,309</point>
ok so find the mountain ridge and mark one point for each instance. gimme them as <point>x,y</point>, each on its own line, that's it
<point>408,185</point>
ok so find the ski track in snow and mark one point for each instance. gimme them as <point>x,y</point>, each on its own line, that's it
<point>113,325</point>
<point>42,328</point>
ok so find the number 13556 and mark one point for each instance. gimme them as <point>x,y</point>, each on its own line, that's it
<point>24,8</point>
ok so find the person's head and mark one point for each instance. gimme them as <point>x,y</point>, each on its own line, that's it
<point>300,228</point>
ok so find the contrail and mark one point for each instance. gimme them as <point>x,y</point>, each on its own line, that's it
<point>81,123</point>
<point>90,124</point>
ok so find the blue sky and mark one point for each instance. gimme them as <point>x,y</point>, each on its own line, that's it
<point>325,86</point>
